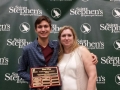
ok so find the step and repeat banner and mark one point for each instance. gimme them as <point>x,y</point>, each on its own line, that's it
<point>96,22</point>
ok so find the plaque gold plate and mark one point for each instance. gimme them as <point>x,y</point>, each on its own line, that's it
<point>45,76</point>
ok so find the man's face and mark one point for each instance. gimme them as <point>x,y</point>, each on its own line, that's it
<point>43,30</point>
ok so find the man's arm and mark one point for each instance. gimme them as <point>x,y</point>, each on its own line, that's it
<point>23,66</point>
<point>94,57</point>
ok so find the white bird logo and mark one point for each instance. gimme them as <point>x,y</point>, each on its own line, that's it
<point>86,28</point>
<point>25,28</point>
<point>56,13</point>
<point>117,13</point>
<point>118,44</point>
<point>118,79</point>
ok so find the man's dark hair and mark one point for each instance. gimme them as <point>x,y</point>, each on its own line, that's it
<point>42,18</point>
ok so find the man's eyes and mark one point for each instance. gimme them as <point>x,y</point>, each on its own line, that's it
<point>45,26</point>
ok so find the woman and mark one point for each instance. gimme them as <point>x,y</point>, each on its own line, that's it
<point>75,62</point>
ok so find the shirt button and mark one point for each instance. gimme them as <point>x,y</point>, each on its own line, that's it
<point>45,65</point>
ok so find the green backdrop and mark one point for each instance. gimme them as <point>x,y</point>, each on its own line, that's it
<point>97,24</point>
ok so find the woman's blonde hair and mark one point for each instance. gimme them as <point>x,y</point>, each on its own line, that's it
<point>75,43</point>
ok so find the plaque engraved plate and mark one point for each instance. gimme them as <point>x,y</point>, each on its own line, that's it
<point>45,76</point>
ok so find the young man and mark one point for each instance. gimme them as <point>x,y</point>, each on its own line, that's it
<point>41,52</point>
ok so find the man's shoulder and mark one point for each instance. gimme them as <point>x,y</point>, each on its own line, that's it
<point>54,43</point>
<point>29,46</point>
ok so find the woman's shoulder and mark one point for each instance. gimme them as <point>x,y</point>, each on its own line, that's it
<point>81,47</point>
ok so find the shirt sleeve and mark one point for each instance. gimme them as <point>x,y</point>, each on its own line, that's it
<point>23,67</point>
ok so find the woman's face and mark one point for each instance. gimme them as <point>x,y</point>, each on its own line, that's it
<point>66,38</point>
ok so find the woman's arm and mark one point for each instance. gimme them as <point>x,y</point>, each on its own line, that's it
<point>90,68</point>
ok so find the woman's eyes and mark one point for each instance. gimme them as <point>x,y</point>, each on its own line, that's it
<point>69,35</point>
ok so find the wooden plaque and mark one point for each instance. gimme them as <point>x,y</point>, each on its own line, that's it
<point>45,76</point>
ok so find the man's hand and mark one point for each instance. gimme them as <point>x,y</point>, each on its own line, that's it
<point>95,60</point>
<point>43,88</point>
<point>29,86</point>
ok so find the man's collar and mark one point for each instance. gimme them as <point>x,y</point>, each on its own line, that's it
<point>50,43</point>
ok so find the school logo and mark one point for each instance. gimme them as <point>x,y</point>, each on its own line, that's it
<point>4,61</point>
<point>56,13</point>
<point>5,27</point>
<point>14,77</point>
<point>116,12</point>
<point>24,27</point>
<point>116,44</point>
<point>85,0</point>
<point>91,45</point>
<point>85,28</point>
<point>24,11</point>
<point>86,12</point>
<point>55,28</point>
<point>17,42</point>
<point>117,79</point>
<point>114,0</point>
<point>110,60</point>
<point>112,27</point>
<point>101,79</point>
